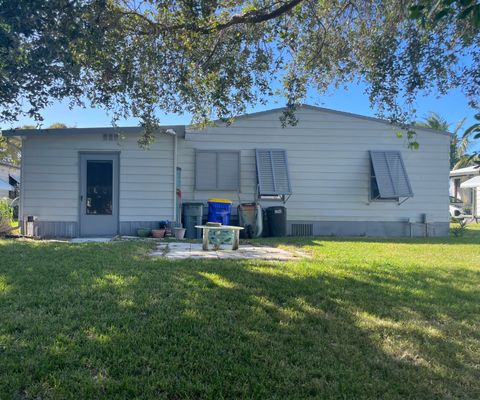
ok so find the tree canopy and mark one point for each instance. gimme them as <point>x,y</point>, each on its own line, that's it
<point>460,144</point>
<point>214,58</point>
<point>10,150</point>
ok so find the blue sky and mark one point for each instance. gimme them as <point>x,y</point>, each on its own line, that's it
<point>453,107</point>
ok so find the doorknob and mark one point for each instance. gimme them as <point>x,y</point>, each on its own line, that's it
<point>81,198</point>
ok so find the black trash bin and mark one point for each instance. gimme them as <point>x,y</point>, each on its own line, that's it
<point>266,228</point>
<point>277,220</point>
<point>192,215</point>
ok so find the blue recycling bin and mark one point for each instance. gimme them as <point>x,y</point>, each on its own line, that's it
<point>219,210</point>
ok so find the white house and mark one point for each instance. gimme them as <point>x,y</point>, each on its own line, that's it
<point>9,178</point>
<point>339,173</point>
<point>465,186</point>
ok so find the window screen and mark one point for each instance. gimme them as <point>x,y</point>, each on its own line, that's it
<point>99,187</point>
<point>217,170</point>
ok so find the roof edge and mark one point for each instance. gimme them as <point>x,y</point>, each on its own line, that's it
<point>182,128</point>
<point>467,171</point>
<point>5,164</point>
<point>132,130</point>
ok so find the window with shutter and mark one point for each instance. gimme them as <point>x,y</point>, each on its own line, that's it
<point>388,176</point>
<point>217,170</point>
<point>272,173</point>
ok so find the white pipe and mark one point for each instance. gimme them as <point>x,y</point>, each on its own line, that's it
<point>174,134</point>
<point>22,187</point>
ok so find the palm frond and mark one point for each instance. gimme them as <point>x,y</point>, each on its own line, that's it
<point>462,162</point>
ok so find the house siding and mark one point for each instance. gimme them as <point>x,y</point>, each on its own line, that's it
<point>329,166</point>
<point>51,180</point>
<point>329,171</point>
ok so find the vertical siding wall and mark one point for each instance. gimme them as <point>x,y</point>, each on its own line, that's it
<point>51,177</point>
<point>329,165</point>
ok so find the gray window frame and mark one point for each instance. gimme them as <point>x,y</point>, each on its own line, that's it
<point>216,152</point>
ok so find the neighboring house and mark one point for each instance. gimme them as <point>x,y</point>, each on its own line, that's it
<point>9,180</point>
<point>465,186</point>
<point>339,173</point>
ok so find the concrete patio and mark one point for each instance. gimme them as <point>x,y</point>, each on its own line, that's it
<point>183,250</point>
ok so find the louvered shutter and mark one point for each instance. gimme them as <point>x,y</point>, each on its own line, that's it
<point>272,172</point>
<point>390,174</point>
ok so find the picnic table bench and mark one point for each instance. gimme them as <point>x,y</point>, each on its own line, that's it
<point>206,228</point>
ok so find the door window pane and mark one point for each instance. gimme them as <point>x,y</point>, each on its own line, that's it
<point>99,187</point>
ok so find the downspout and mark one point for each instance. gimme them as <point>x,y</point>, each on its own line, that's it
<point>22,186</point>
<point>175,146</point>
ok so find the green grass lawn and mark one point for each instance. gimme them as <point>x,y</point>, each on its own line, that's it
<point>364,318</point>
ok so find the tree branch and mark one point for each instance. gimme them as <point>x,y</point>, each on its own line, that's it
<point>214,49</point>
<point>254,17</point>
<point>250,17</point>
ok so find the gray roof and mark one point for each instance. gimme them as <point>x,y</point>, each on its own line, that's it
<point>472,170</point>
<point>180,129</point>
<point>128,130</point>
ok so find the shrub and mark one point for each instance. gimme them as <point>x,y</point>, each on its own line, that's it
<point>459,226</point>
<point>6,217</point>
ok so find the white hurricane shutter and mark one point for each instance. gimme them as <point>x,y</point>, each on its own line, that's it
<point>228,174</point>
<point>272,172</point>
<point>217,170</point>
<point>390,174</point>
<point>205,170</point>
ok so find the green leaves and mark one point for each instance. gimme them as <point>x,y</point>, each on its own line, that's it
<point>474,129</point>
<point>216,58</point>
<point>10,150</point>
<point>38,50</point>
<point>412,139</point>
<point>436,11</point>
<point>416,11</point>
<point>442,13</point>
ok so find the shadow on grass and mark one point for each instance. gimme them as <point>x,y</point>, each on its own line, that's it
<point>104,321</point>
<point>470,238</point>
